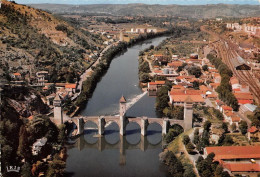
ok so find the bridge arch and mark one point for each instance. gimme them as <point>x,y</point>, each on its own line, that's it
<point>154,133</point>
<point>111,133</point>
<point>133,133</point>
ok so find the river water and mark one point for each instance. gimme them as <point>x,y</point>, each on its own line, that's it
<point>113,155</point>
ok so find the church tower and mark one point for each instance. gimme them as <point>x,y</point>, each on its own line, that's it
<point>58,117</point>
<point>188,113</point>
<point>122,111</point>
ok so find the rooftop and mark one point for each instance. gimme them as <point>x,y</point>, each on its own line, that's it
<point>122,100</point>
<point>234,152</point>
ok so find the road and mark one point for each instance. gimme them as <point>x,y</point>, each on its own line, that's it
<point>87,73</point>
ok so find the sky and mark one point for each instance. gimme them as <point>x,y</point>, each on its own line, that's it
<point>181,2</point>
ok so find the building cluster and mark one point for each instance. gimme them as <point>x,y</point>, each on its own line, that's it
<point>237,160</point>
<point>249,29</point>
<point>183,81</point>
<point>143,30</point>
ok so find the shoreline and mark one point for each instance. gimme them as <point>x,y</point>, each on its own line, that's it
<point>89,84</point>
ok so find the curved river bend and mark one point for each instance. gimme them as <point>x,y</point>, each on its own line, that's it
<point>113,155</point>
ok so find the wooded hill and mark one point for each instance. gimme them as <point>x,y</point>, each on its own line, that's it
<point>194,11</point>
<point>32,40</point>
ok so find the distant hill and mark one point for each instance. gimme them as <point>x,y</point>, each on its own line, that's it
<point>33,40</point>
<point>195,11</point>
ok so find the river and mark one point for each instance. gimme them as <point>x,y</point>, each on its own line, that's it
<point>113,155</point>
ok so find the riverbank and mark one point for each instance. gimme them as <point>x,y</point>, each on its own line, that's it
<point>89,85</point>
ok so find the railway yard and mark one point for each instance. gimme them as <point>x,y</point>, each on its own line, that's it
<point>227,50</point>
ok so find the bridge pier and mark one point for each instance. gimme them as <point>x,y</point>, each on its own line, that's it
<point>101,126</point>
<point>80,126</point>
<point>165,126</point>
<point>122,157</point>
<point>144,124</point>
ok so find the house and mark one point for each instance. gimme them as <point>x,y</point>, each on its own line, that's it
<point>37,146</point>
<point>16,76</point>
<point>224,108</point>
<point>175,64</point>
<point>235,120</point>
<point>154,86</point>
<point>214,86</point>
<point>71,87</point>
<point>179,100</point>
<point>242,160</point>
<point>244,96</point>
<point>42,77</point>
<point>253,133</point>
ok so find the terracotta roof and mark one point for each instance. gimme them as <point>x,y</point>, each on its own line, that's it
<point>17,74</point>
<point>122,100</point>
<point>178,87</point>
<point>229,113</point>
<point>158,71</point>
<point>245,101</point>
<point>226,108</point>
<point>73,86</point>
<point>234,152</point>
<point>234,80</point>
<point>212,96</point>
<point>157,83</point>
<point>30,118</point>
<point>214,85</point>
<point>243,96</point>
<point>175,63</point>
<point>242,167</point>
<point>204,88</point>
<point>182,98</point>
<point>235,119</point>
<point>252,129</point>
<point>236,90</point>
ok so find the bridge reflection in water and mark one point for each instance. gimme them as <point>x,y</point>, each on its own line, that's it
<point>122,144</point>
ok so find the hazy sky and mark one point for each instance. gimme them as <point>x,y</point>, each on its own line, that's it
<point>183,2</point>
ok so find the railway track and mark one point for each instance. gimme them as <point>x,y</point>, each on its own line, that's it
<point>244,76</point>
<point>227,51</point>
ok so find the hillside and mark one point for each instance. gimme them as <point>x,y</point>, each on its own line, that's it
<point>32,40</point>
<point>198,11</point>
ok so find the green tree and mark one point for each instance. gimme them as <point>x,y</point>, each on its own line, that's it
<point>205,67</point>
<point>186,139</point>
<point>224,126</point>
<point>195,70</point>
<point>243,127</point>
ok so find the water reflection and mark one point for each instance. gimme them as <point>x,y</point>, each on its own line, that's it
<point>101,144</point>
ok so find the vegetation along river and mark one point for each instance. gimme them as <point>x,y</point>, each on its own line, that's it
<point>113,155</point>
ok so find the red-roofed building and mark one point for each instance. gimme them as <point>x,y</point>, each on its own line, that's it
<point>234,152</point>
<point>16,76</point>
<point>244,96</point>
<point>154,86</point>
<point>242,168</point>
<point>179,100</point>
<point>245,101</point>
<point>71,87</point>
<point>225,108</point>
<point>253,133</point>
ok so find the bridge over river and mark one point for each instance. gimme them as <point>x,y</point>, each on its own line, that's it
<point>122,120</point>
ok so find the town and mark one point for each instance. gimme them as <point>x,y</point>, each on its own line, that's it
<point>202,78</point>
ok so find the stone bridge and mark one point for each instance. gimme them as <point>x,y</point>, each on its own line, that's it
<point>122,120</point>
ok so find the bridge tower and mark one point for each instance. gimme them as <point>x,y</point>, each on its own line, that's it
<point>58,117</point>
<point>122,111</point>
<point>188,113</point>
